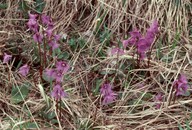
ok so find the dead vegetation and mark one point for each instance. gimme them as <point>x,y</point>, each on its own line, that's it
<point>134,109</point>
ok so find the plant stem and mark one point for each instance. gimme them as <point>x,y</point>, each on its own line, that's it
<point>41,69</point>
<point>44,54</point>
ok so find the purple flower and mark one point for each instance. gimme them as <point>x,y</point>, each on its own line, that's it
<point>107,93</point>
<point>33,16</point>
<point>158,99</point>
<point>45,19</point>
<point>125,43</point>
<point>142,45</point>
<point>150,35</point>
<point>57,92</point>
<point>53,44</point>
<point>37,37</point>
<point>181,85</point>
<point>58,75</point>
<point>57,37</point>
<point>24,70</point>
<point>49,32</point>
<point>118,51</point>
<point>154,27</point>
<point>32,23</point>
<point>108,99</point>
<point>135,33</point>
<point>63,66</point>
<point>135,36</point>
<point>6,58</point>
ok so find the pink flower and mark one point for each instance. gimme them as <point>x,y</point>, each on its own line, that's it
<point>37,37</point>
<point>135,36</point>
<point>154,27</point>
<point>62,66</point>
<point>108,95</point>
<point>49,32</point>
<point>24,70</point>
<point>58,75</point>
<point>45,19</point>
<point>181,85</point>
<point>108,99</point>
<point>142,45</point>
<point>135,33</point>
<point>6,58</point>
<point>33,16</point>
<point>57,37</point>
<point>32,23</point>
<point>57,92</point>
<point>53,44</point>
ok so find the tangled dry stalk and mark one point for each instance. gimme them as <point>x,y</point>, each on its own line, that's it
<point>134,110</point>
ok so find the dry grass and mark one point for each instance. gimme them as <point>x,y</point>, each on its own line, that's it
<point>135,109</point>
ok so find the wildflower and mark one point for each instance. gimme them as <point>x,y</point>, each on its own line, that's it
<point>151,31</point>
<point>33,16</point>
<point>107,93</point>
<point>53,44</point>
<point>135,33</point>
<point>57,92</point>
<point>142,45</point>
<point>24,70</point>
<point>62,66</point>
<point>58,75</point>
<point>6,58</point>
<point>37,37</point>
<point>45,19</point>
<point>49,32</point>
<point>32,23</point>
<point>154,27</point>
<point>108,99</point>
<point>158,99</point>
<point>181,85</point>
<point>135,36</point>
<point>57,37</point>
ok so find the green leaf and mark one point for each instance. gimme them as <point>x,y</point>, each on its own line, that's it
<point>3,6</point>
<point>187,94</point>
<point>43,94</point>
<point>39,6</point>
<point>23,7</point>
<point>98,84</point>
<point>19,93</point>
<point>180,127</point>
<point>31,125</point>
<point>187,124</point>
<point>51,115</point>
<point>54,121</point>
<point>64,55</point>
<point>72,42</point>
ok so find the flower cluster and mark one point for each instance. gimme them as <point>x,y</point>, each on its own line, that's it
<point>107,93</point>
<point>57,74</point>
<point>23,70</point>
<point>181,85</point>
<point>38,36</point>
<point>142,43</point>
